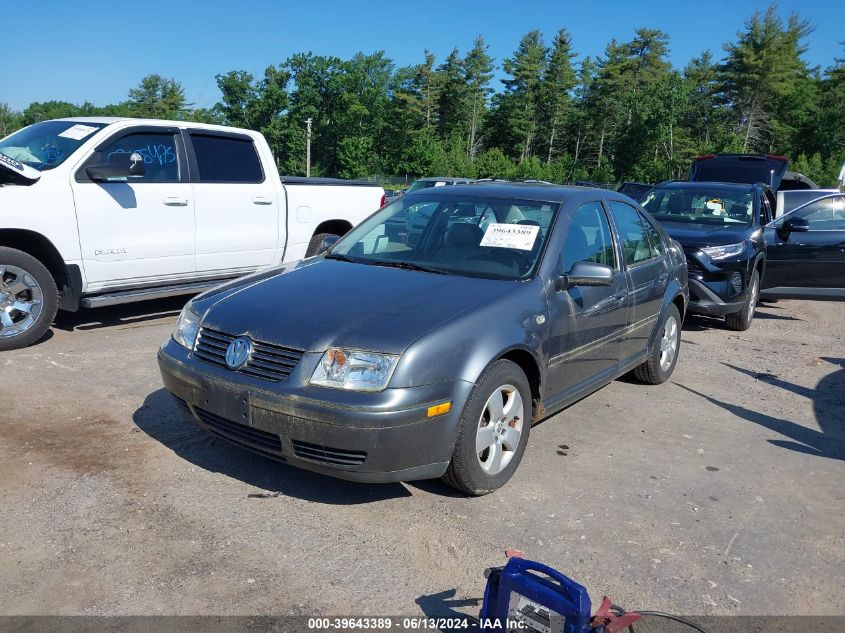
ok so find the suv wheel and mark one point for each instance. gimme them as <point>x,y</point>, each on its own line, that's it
<point>493,431</point>
<point>741,321</point>
<point>28,299</point>
<point>663,355</point>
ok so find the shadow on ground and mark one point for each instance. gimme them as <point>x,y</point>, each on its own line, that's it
<point>120,315</point>
<point>444,605</point>
<point>828,400</point>
<point>166,422</point>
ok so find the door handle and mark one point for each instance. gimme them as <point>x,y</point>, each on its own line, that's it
<point>175,201</point>
<point>262,200</point>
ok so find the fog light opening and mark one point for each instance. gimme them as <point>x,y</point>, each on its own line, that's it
<point>736,282</point>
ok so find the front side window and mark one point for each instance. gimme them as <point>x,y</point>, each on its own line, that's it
<point>495,238</point>
<point>708,207</point>
<point>654,238</point>
<point>588,238</point>
<point>44,146</point>
<point>226,159</point>
<point>635,243</point>
<point>827,214</point>
<point>158,149</point>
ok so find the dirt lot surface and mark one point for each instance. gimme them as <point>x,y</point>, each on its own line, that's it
<point>720,492</point>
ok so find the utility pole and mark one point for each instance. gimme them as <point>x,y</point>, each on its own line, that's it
<point>308,148</point>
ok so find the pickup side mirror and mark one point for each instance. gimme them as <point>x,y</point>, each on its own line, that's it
<point>793,225</point>
<point>326,243</point>
<point>120,165</point>
<point>585,274</point>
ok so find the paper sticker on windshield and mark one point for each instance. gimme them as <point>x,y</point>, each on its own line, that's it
<point>78,132</point>
<point>521,236</point>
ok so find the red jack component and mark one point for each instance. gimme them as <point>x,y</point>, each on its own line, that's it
<point>611,622</point>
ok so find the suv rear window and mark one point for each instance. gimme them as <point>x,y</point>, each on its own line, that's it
<point>226,159</point>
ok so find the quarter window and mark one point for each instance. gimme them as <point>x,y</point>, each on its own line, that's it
<point>635,242</point>
<point>588,238</point>
<point>159,151</point>
<point>226,159</point>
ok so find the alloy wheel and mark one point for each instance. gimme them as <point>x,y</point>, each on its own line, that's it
<point>21,300</point>
<point>499,429</point>
<point>669,343</point>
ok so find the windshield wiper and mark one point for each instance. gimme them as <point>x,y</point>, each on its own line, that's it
<point>341,258</point>
<point>408,266</point>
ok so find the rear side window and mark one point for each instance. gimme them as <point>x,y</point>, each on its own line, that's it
<point>161,158</point>
<point>635,241</point>
<point>588,238</point>
<point>226,159</point>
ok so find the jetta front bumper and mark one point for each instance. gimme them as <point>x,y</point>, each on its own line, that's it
<point>369,437</point>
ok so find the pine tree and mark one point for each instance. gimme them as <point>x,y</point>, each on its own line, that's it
<point>558,81</point>
<point>522,89</point>
<point>478,72</point>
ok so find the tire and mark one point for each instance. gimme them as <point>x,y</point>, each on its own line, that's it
<point>25,282</point>
<point>314,244</point>
<point>741,321</point>
<point>663,355</point>
<point>478,473</point>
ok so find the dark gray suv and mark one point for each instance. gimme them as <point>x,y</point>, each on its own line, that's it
<point>428,340</point>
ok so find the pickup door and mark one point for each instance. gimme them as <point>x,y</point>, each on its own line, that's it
<point>141,228</point>
<point>237,204</point>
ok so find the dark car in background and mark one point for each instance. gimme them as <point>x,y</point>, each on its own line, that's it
<point>394,357</point>
<point>805,251</point>
<point>635,190</point>
<point>720,227</point>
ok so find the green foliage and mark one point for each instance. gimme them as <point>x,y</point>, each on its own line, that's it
<point>626,115</point>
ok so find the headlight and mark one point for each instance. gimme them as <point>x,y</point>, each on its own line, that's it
<point>723,252</point>
<point>187,327</point>
<point>354,370</point>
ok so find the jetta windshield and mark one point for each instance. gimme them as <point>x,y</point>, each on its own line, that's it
<point>47,144</point>
<point>495,238</point>
<point>712,206</point>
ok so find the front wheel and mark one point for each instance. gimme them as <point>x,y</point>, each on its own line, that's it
<point>741,321</point>
<point>493,431</point>
<point>663,354</point>
<point>28,299</point>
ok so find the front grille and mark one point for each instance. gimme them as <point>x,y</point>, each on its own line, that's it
<point>242,434</point>
<point>267,361</point>
<point>328,455</point>
<point>694,267</point>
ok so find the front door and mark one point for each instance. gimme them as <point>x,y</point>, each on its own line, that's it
<point>237,204</point>
<point>810,260</point>
<point>586,322</point>
<point>142,228</point>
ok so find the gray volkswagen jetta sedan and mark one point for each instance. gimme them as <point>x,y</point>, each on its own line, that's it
<point>428,340</point>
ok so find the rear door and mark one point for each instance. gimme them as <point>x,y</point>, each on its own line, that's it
<point>739,168</point>
<point>142,228</point>
<point>810,260</point>
<point>237,206</point>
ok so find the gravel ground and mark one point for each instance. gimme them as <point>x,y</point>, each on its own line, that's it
<point>720,492</point>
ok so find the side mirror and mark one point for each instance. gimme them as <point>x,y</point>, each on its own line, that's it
<point>585,274</point>
<point>326,243</point>
<point>120,165</point>
<point>793,225</point>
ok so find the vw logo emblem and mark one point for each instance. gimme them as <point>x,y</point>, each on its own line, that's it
<point>238,352</point>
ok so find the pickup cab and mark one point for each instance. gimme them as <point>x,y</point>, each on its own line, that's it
<point>101,211</point>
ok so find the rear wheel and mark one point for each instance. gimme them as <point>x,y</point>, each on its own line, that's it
<point>663,355</point>
<point>28,299</point>
<point>493,431</point>
<point>741,321</point>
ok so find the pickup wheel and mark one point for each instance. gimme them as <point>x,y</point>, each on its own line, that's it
<point>663,355</point>
<point>314,244</point>
<point>741,321</point>
<point>493,431</point>
<point>28,299</point>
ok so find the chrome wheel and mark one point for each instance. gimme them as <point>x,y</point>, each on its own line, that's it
<point>669,343</point>
<point>499,429</point>
<point>753,299</point>
<point>21,300</point>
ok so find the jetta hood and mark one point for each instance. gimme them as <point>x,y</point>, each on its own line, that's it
<point>321,303</point>
<point>699,235</point>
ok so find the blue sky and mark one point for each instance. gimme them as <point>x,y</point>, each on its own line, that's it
<point>97,50</point>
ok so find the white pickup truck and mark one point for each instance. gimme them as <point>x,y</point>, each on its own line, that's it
<point>100,211</point>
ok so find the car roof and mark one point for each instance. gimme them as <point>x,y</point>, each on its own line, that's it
<point>109,120</point>
<point>439,178</point>
<point>537,191</point>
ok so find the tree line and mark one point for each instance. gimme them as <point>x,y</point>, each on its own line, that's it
<point>627,114</point>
